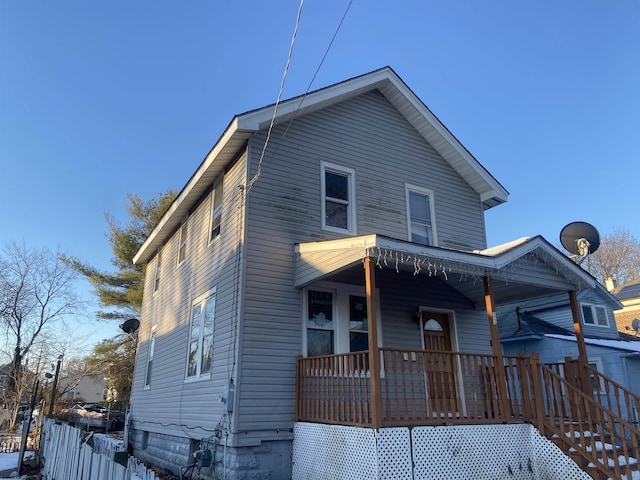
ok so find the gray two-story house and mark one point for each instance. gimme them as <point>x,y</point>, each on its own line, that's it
<point>320,295</point>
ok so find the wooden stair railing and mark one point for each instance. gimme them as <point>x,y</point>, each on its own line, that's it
<point>602,441</point>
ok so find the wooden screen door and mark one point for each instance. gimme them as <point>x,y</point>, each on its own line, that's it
<point>439,367</point>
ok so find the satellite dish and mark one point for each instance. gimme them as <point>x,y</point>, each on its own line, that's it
<point>635,324</point>
<point>580,238</point>
<point>130,326</point>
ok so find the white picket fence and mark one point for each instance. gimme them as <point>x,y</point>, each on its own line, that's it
<point>68,456</point>
<point>9,442</point>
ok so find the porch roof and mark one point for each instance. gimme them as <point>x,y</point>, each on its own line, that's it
<point>525,268</point>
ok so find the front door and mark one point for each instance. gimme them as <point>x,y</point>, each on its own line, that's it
<point>439,365</point>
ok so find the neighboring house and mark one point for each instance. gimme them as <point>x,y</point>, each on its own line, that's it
<point>545,326</point>
<point>90,389</point>
<point>306,303</point>
<point>629,295</point>
<point>5,370</point>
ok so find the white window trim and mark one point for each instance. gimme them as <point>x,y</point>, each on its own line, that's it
<point>150,357</point>
<point>432,211</point>
<point>341,293</point>
<point>197,301</point>
<point>217,190</point>
<point>593,307</point>
<point>351,210</point>
<point>181,241</point>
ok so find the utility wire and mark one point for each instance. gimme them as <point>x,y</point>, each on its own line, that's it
<point>302,99</point>
<point>275,108</point>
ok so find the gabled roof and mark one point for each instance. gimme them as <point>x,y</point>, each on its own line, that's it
<point>243,126</point>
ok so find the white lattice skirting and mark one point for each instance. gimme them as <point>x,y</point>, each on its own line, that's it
<point>428,453</point>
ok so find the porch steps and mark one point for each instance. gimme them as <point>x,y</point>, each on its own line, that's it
<point>628,470</point>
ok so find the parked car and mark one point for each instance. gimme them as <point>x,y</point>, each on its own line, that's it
<point>95,416</point>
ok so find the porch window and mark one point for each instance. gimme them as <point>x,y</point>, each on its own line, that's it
<point>420,215</point>
<point>182,244</point>
<point>338,205</point>
<point>594,315</point>
<point>216,212</point>
<point>201,336</point>
<point>320,324</point>
<point>596,384</point>
<point>358,324</point>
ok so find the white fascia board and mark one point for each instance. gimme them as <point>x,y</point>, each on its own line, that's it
<point>186,191</point>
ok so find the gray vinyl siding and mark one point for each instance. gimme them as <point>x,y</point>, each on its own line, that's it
<point>284,208</point>
<point>171,404</point>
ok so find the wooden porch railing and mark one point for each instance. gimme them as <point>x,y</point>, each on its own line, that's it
<point>452,388</point>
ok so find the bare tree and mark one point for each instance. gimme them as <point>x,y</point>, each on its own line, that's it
<point>36,292</point>
<point>617,258</point>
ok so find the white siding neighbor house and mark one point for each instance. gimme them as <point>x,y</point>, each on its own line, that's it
<point>320,296</point>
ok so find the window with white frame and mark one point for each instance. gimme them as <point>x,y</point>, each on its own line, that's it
<point>597,384</point>
<point>338,198</point>
<point>420,215</point>
<point>152,349</point>
<point>201,329</point>
<point>156,278</point>
<point>320,325</point>
<point>594,315</point>
<point>215,221</point>
<point>182,243</point>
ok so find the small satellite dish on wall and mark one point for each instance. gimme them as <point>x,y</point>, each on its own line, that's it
<point>580,238</point>
<point>130,326</point>
<point>635,324</point>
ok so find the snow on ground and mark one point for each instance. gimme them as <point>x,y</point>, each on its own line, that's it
<point>9,461</point>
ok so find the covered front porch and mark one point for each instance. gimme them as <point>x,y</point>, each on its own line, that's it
<point>435,382</point>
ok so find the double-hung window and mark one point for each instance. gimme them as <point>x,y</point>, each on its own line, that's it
<point>152,348</point>
<point>420,215</point>
<point>594,315</point>
<point>201,336</point>
<point>182,243</point>
<point>216,212</point>
<point>156,278</point>
<point>338,198</point>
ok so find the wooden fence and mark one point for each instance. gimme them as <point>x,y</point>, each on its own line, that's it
<point>68,455</point>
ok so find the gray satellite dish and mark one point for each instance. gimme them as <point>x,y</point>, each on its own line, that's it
<point>635,324</point>
<point>130,326</point>
<point>580,238</point>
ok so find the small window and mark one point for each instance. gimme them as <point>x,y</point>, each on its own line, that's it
<point>595,315</point>
<point>201,336</point>
<point>320,325</point>
<point>216,212</point>
<point>596,384</point>
<point>152,348</point>
<point>420,215</point>
<point>182,246</point>
<point>358,324</point>
<point>156,279</point>
<point>338,198</point>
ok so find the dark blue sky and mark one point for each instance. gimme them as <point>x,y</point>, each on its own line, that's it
<point>98,99</point>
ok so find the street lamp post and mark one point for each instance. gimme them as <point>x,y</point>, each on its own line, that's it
<point>55,384</point>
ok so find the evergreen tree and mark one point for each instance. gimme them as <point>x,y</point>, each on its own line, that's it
<point>123,288</point>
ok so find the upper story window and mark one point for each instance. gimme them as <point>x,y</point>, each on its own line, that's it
<point>156,278</point>
<point>420,215</point>
<point>216,212</point>
<point>201,336</point>
<point>594,315</point>
<point>152,349</point>
<point>338,198</point>
<point>182,245</point>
